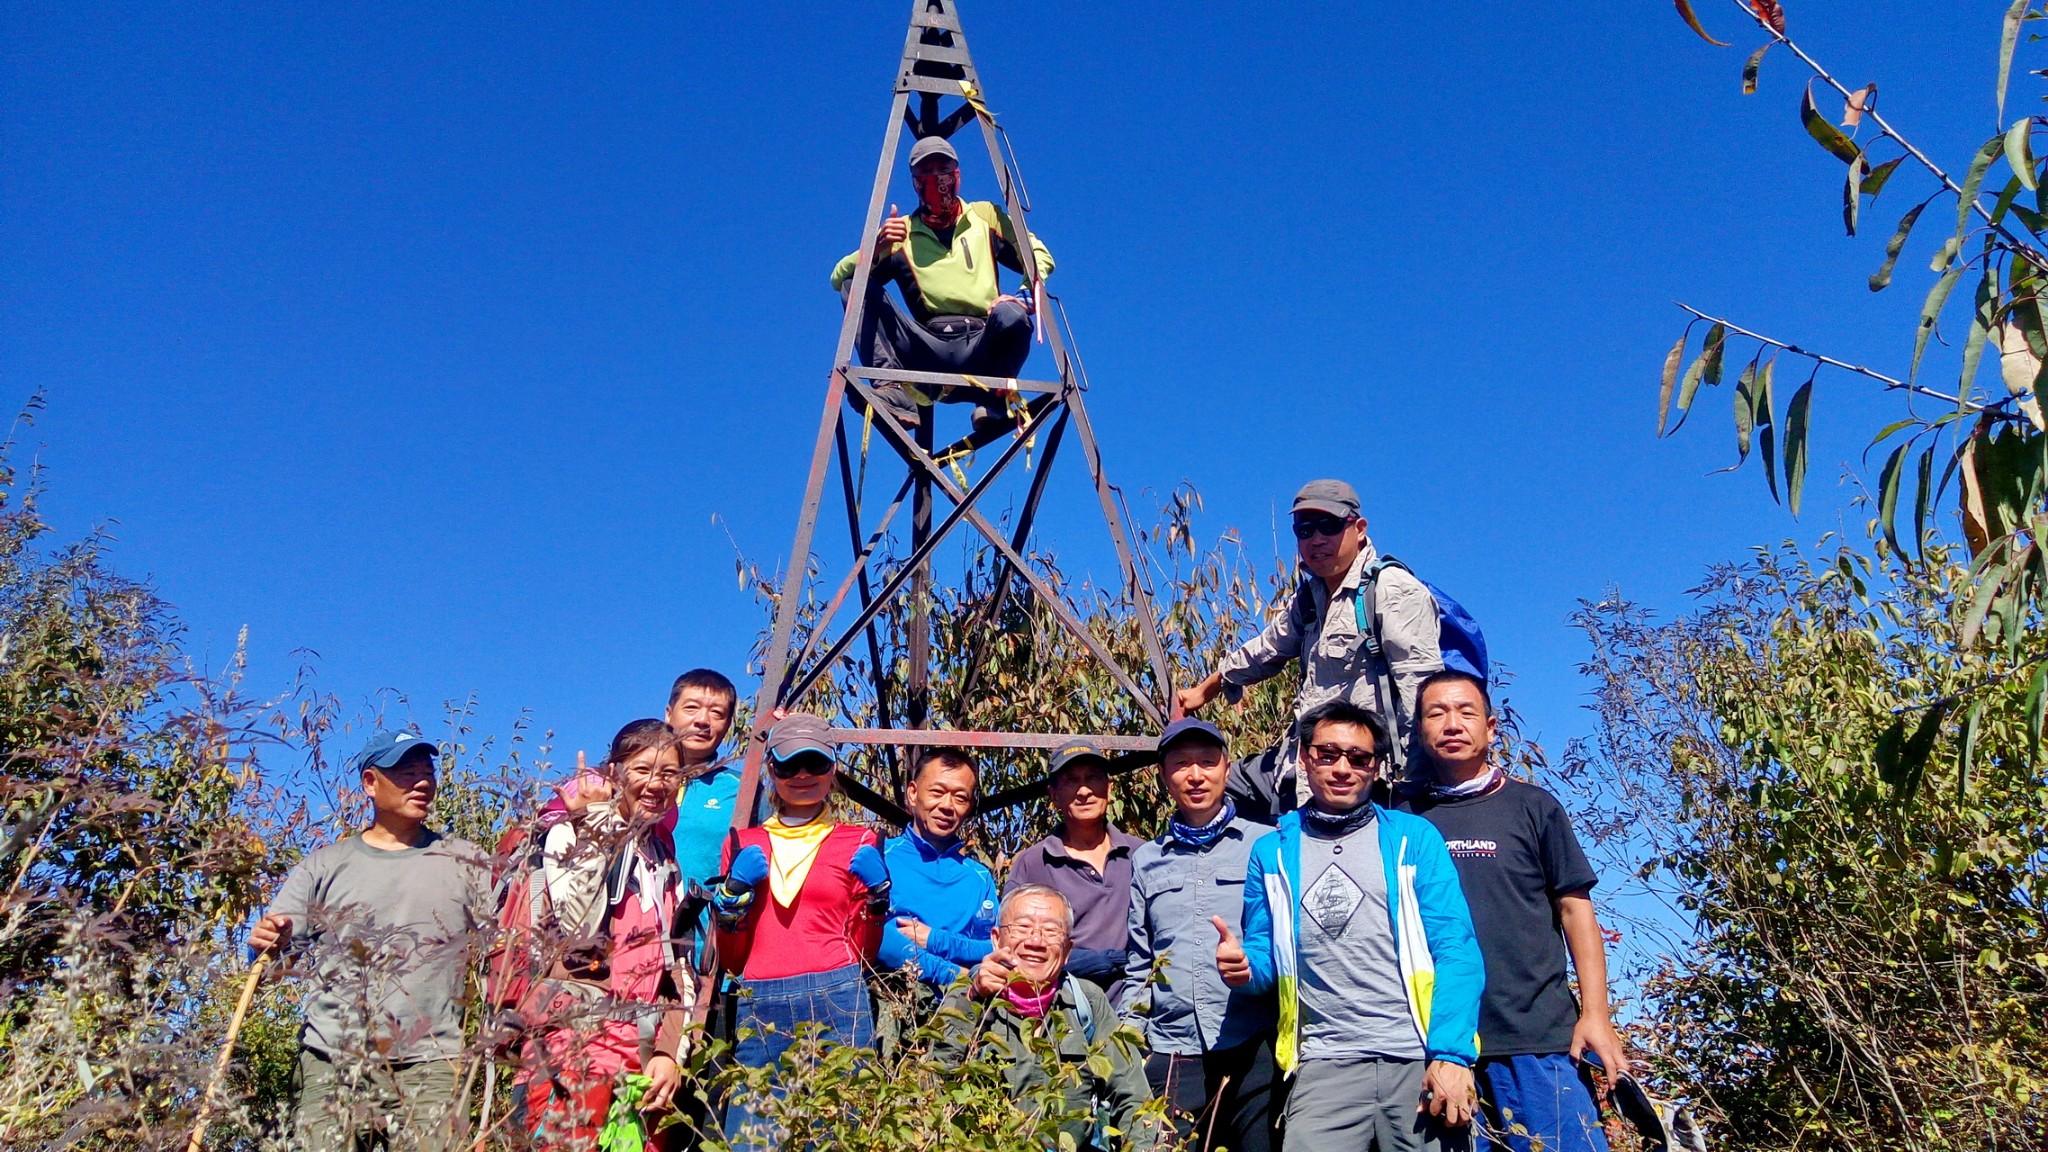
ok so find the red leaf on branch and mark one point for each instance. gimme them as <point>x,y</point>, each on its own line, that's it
<point>1770,12</point>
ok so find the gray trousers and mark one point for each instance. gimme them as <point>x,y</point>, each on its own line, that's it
<point>1346,1104</point>
<point>353,1106</point>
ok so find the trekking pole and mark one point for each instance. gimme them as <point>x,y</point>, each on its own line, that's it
<point>227,1051</point>
<point>483,1130</point>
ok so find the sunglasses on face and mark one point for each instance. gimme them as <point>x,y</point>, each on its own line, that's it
<point>1324,755</point>
<point>801,766</point>
<point>1311,526</point>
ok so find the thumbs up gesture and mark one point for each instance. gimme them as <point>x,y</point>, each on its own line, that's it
<point>1230,962</point>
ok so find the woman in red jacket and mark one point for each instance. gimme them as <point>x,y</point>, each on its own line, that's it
<point>799,913</point>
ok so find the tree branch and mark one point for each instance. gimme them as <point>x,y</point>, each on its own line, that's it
<point>1830,361</point>
<point>1884,127</point>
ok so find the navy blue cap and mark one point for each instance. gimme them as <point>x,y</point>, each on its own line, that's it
<point>390,746</point>
<point>1191,727</point>
<point>1073,751</point>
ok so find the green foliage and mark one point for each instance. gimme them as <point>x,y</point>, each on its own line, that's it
<point>1984,439</point>
<point>1842,795</point>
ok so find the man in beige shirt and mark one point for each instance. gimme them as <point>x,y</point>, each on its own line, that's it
<point>1323,625</point>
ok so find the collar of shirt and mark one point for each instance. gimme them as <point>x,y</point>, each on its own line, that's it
<point>1119,841</point>
<point>1235,829</point>
<point>917,224</point>
<point>929,851</point>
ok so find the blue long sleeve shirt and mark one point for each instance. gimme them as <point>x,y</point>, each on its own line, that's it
<point>953,894</point>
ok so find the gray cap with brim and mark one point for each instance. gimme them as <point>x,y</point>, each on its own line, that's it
<point>801,734</point>
<point>1334,497</point>
<point>929,146</point>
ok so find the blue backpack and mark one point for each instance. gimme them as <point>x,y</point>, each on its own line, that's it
<point>1458,634</point>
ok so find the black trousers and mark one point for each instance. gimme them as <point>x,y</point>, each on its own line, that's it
<point>1231,1098</point>
<point>995,345</point>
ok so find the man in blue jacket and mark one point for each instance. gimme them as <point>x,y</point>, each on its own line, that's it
<point>944,902</point>
<point>1354,915</point>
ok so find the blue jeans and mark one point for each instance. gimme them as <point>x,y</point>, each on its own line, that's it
<point>1545,1097</point>
<point>774,1009</point>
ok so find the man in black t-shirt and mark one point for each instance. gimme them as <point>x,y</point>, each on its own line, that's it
<point>1529,887</point>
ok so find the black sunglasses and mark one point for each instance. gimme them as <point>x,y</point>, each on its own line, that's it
<point>801,766</point>
<point>1309,526</point>
<point>1326,755</point>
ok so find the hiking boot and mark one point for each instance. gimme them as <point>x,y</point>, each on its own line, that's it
<point>989,422</point>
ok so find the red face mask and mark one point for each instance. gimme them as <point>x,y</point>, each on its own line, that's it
<point>938,194</point>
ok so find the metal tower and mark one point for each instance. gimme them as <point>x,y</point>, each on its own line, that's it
<point>936,68</point>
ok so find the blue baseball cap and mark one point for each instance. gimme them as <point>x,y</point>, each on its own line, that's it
<point>390,746</point>
<point>1191,728</point>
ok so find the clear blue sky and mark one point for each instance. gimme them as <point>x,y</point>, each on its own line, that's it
<point>450,343</point>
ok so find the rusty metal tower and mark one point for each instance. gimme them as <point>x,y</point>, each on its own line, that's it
<point>936,69</point>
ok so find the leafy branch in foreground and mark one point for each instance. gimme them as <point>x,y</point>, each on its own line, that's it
<point>1990,448</point>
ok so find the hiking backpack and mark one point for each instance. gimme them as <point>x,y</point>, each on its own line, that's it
<point>1458,635</point>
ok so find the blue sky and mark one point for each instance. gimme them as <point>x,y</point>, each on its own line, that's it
<point>461,345</point>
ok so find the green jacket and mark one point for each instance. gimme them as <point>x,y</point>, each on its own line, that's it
<point>967,1024</point>
<point>957,279</point>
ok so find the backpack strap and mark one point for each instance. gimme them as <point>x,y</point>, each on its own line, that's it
<point>1366,606</point>
<point>1082,1007</point>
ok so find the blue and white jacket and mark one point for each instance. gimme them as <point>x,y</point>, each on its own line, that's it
<point>1440,964</point>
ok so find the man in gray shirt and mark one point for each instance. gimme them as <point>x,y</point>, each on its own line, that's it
<point>1354,916</point>
<point>382,924</point>
<point>1212,1049</point>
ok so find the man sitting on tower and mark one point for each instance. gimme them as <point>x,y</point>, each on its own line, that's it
<point>943,259</point>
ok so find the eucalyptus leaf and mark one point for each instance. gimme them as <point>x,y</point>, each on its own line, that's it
<point>1896,245</point>
<point>1980,329</point>
<point>2008,36</point>
<point>1966,749</point>
<point>1974,181</point>
<point>2019,150</point>
<point>1930,313</point>
<point>1749,70</point>
<point>1888,493</point>
<point>1852,193</point>
<point>1796,418</point>
<point>1671,362</point>
<point>1824,131</point>
<point>1880,176</point>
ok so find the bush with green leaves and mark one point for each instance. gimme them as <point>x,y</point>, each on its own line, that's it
<point>1840,795</point>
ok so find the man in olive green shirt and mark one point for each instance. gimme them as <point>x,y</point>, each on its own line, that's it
<point>954,317</point>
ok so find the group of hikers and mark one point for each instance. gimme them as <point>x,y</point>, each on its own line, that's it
<point>1356,937</point>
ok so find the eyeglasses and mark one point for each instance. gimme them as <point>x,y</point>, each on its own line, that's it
<point>1310,526</point>
<point>669,778</point>
<point>1324,755</point>
<point>1040,930</point>
<point>801,766</point>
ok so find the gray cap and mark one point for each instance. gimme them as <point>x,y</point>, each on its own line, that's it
<point>1332,496</point>
<point>928,146</point>
<point>798,734</point>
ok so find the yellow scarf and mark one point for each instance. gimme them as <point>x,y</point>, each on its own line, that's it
<point>792,849</point>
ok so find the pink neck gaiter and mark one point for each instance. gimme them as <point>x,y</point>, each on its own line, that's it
<point>1029,1003</point>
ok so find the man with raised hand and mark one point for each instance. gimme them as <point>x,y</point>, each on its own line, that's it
<point>1530,889</point>
<point>382,924</point>
<point>955,317</point>
<point>1212,1052</point>
<point>944,900</point>
<point>1048,1031</point>
<point>1354,915</point>
<point>1088,861</point>
<point>1323,625</point>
